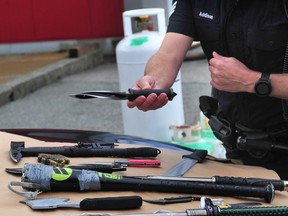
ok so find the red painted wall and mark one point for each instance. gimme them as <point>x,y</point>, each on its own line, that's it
<point>46,20</point>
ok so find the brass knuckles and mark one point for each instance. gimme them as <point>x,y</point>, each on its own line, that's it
<point>53,159</point>
<point>27,194</point>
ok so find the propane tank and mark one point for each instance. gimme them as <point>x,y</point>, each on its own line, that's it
<point>132,54</point>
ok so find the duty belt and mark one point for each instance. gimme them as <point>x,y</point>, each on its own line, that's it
<point>259,142</point>
<point>256,142</point>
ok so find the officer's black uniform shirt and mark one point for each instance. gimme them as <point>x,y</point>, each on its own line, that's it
<point>253,31</point>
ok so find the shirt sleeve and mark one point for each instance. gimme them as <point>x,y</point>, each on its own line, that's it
<point>181,18</point>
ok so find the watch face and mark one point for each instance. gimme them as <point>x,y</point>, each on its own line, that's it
<point>263,89</point>
<point>263,85</point>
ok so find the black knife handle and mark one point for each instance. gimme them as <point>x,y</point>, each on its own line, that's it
<point>133,94</point>
<point>111,203</point>
<point>198,155</point>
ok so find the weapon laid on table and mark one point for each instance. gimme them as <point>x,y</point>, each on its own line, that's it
<point>75,136</point>
<point>53,159</point>
<point>280,185</point>
<point>49,178</point>
<point>186,163</point>
<point>131,95</point>
<point>130,163</point>
<point>98,168</point>
<point>209,209</point>
<point>18,150</point>
<point>105,203</point>
<point>169,200</point>
<point>218,202</point>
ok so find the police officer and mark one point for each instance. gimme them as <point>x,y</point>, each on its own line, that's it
<point>245,43</point>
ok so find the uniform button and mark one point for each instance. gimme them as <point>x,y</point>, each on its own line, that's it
<point>234,35</point>
<point>270,43</point>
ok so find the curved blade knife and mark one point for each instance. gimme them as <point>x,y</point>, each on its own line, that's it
<point>131,95</point>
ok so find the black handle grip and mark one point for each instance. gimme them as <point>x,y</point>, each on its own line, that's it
<point>143,184</point>
<point>84,152</point>
<point>278,184</point>
<point>198,155</point>
<point>145,92</point>
<point>111,203</point>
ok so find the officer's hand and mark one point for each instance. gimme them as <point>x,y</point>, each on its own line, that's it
<point>152,102</point>
<point>229,74</point>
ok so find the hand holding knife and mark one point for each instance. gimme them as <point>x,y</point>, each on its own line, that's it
<point>131,95</point>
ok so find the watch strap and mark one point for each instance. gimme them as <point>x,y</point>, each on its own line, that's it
<point>265,76</point>
<point>263,86</point>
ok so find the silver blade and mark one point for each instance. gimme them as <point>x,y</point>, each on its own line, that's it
<point>102,94</point>
<point>50,203</point>
<point>181,168</point>
<point>187,162</point>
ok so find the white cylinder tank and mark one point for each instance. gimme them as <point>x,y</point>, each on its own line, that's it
<point>132,54</point>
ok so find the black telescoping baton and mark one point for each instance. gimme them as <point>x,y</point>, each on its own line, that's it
<point>278,184</point>
<point>51,178</point>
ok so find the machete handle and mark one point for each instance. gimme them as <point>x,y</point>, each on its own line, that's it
<point>133,94</point>
<point>111,203</point>
<point>198,155</point>
<point>85,152</point>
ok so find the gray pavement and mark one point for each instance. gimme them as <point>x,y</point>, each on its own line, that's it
<point>51,107</point>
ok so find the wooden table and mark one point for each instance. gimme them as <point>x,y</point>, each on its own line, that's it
<point>10,201</point>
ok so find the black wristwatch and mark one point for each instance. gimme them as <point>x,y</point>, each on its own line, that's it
<point>263,86</point>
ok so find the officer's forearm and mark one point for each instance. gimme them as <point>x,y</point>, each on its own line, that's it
<point>162,69</point>
<point>279,85</point>
<point>164,65</point>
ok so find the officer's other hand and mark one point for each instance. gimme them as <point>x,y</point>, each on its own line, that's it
<point>229,74</point>
<point>152,102</point>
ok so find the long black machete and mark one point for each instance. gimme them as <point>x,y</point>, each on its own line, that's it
<point>75,136</point>
<point>18,150</point>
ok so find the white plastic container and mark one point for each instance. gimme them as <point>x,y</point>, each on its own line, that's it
<point>132,54</point>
